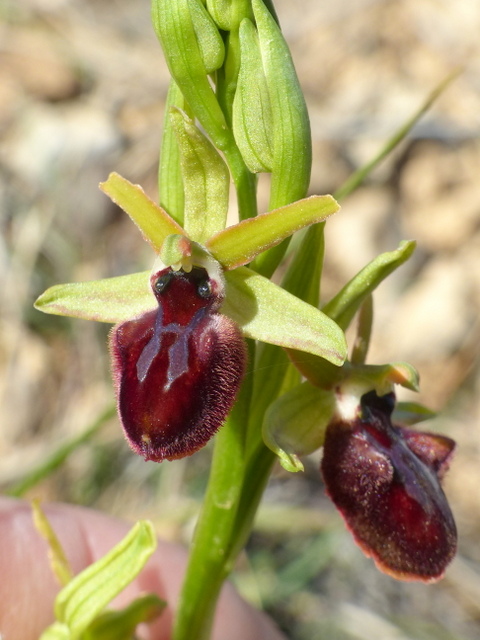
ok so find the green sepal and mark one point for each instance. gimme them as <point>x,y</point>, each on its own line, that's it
<point>170,181</point>
<point>292,153</point>
<point>263,310</point>
<point>252,120</point>
<point>108,300</point>
<point>295,423</point>
<point>409,413</point>
<point>343,307</point>
<point>206,180</point>
<point>268,313</point>
<point>121,625</point>
<point>86,596</point>
<point>153,221</point>
<point>380,377</point>
<point>173,25</point>
<point>239,244</point>
<point>209,39</point>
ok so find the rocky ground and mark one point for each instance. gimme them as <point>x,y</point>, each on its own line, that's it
<point>82,89</point>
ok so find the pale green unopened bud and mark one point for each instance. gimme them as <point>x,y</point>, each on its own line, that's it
<point>209,39</point>
<point>252,111</point>
<point>290,125</point>
<point>229,13</point>
<point>192,51</point>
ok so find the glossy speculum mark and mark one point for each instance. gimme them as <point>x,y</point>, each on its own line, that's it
<point>177,368</point>
<point>385,480</point>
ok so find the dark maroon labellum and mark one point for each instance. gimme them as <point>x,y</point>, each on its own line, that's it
<point>384,479</point>
<point>177,368</point>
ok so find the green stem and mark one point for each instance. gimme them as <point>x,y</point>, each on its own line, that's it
<point>209,560</point>
<point>244,181</point>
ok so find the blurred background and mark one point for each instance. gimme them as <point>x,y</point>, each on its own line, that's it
<point>82,89</point>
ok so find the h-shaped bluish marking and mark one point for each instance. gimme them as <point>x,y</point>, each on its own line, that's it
<point>177,352</point>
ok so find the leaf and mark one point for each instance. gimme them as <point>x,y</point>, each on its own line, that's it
<point>348,300</point>
<point>58,560</point>
<point>268,313</point>
<point>108,300</point>
<point>84,597</point>
<point>357,177</point>
<point>153,221</point>
<point>116,625</point>
<point>239,244</point>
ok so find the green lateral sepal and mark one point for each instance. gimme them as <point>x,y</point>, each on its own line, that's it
<point>268,313</point>
<point>295,423</point>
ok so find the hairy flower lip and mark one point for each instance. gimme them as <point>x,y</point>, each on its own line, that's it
<point>385,481</point>
<point>177,368</point>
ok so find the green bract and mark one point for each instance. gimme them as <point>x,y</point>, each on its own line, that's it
<point>206,180</point>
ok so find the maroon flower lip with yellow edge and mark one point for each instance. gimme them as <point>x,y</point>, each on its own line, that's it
<point>385,480</point>
<point>177,368</point>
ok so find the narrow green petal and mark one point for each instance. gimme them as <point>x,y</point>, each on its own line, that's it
<point>109,300</point>
<point>239,244</point>
<point>206,179</point>
<point>153,221</point>
<point>346,303</point>
<point>84,597</point>
<point>295,423</point>
<point>268,313</point>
